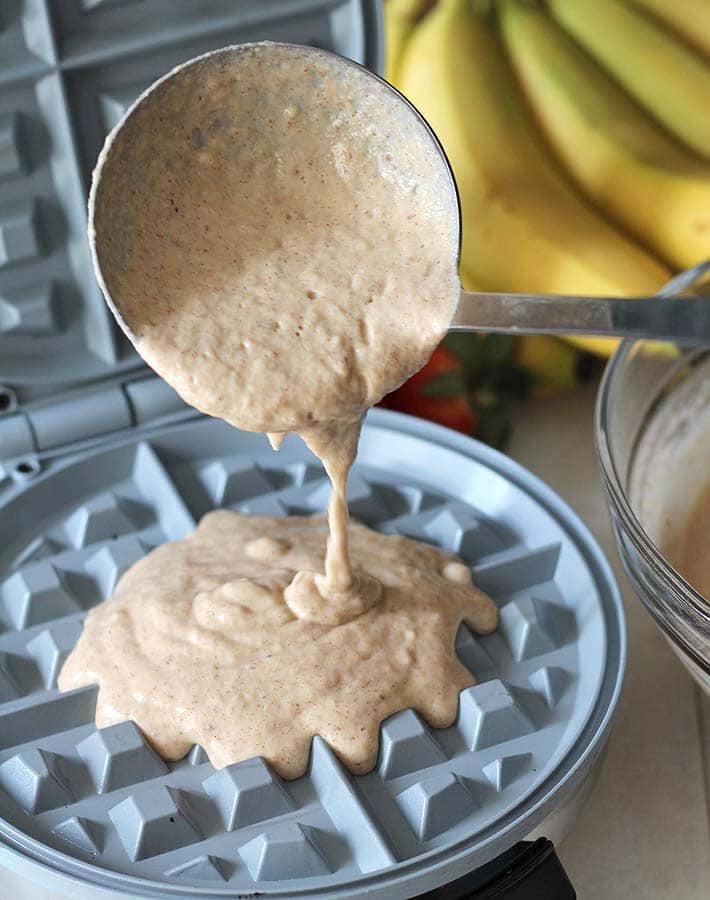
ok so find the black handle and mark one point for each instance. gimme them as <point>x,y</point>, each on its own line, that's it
<point>530,870</point>
<point>536,874</point>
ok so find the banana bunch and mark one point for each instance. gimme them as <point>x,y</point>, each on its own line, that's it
<point>579,134</point>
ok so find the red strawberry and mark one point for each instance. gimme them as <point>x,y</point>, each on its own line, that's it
<point>438,393</point>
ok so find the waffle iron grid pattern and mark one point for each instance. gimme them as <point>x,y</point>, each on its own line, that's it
<point>69,70</point>
<point>105,798</point>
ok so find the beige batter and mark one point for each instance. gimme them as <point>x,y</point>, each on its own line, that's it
<point>690,552</point>
<point>198,644</point>
<point>670,486</point>
<point>280,235</point>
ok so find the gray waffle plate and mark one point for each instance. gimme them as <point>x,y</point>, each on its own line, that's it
<point>68,71</point>
<point>102,807</point>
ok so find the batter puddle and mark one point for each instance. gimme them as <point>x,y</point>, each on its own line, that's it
<point>199,644</point>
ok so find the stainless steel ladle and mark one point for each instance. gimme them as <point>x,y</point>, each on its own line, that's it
<point>684,321</point>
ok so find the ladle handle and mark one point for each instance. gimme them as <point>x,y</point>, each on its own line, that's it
<point>686,320</point>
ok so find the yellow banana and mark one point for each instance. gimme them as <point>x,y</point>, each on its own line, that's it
<point>553,363</point>
<point>620,157</point>
<point>688,18</point>
<point>524,226</point>
<point>666,77</point>
<point>401,17</point>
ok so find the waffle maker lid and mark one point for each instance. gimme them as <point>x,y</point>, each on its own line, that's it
<point>66,79</point>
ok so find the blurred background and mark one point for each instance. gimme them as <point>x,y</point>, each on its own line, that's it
<point>579,134</point>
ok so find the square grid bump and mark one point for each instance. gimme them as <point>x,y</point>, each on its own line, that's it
<point>104,795</point>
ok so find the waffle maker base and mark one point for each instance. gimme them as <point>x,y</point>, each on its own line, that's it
<point>87,813</point>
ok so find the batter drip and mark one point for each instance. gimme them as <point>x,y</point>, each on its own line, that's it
<point>279,233</point>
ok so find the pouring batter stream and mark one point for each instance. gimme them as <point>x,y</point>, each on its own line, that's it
<point>278,233</point>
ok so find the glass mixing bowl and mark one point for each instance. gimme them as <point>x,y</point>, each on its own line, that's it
<point>642,382</point>
<point>652,431</point>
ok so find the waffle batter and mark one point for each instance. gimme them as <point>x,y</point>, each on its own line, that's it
<point>689,552</point>
<point>198,644</point>
<point>280,235</point>
<point>669,486</point>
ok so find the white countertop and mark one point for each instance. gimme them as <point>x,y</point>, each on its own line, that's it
<point>645,831</point>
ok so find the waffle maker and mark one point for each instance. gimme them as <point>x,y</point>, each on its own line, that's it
<point>100,461</point>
